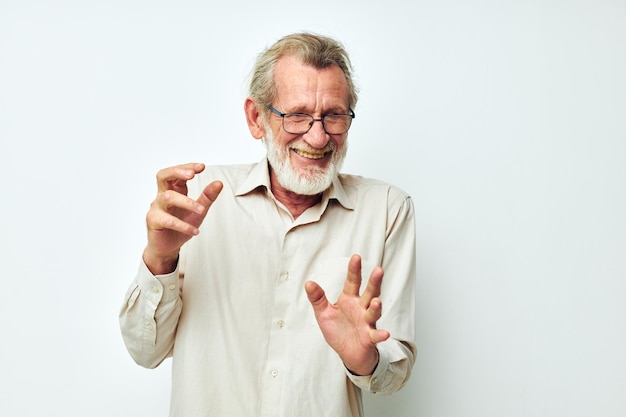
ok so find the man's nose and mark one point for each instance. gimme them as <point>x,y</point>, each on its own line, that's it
<point>317,136</point>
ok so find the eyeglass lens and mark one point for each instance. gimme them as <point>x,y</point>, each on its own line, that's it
<point>334,124</point>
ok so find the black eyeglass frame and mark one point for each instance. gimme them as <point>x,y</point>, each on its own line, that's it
<point>313,120</point>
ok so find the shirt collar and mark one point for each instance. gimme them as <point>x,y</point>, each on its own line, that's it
<point>337,192</point>
<point>259,176</point>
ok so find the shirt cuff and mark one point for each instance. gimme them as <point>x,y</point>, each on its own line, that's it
<point>393,370</point>
<point>374,382</point>
<point>158,288</point>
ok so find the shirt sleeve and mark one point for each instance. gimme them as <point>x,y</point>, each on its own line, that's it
<point>393,370</point>
<point>397,354</point>
<point>149,316</point>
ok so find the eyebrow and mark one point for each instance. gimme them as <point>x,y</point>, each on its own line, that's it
<point>332,110</point>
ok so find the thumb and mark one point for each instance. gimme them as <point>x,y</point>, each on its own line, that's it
<point>316,296</point>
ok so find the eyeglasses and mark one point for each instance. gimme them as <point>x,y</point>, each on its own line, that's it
<point>300,123</point>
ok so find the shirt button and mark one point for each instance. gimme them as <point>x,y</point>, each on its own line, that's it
<point>149,326</point>
<point>274,373</point>
<point>172,286</point>
<point>156,289</point>
<point>286,277</point>
<point>281,323</point>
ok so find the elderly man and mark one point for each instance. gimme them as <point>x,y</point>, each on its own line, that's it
<point>252,275</point>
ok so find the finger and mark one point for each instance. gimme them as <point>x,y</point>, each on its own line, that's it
<point>316,296</point>
<point>177,176</point>
<point>162,220</point>
<point>373,286</point>
<point>169,199</point>
<point>352,284</point>
<point>210,193</point>
<point>379,335</point>
<point>373,312</point>
<point>372,315</point>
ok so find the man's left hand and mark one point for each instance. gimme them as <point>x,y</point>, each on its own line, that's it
<point>349,325</point>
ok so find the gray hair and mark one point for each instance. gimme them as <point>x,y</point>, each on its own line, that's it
<point>312,49</point>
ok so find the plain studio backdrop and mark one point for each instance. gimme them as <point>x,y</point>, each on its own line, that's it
<point>505,120</point>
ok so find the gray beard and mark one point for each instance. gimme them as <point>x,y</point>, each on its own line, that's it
<point>310,181</point>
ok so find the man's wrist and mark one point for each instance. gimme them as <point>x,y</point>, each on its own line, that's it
<point>160,265</point>
<point>363,371</point>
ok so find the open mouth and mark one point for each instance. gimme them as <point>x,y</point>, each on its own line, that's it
<point>312,154</point>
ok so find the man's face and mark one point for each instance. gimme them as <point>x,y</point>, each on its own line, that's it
<point>307,163</point>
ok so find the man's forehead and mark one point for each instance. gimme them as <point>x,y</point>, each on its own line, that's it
<point>293,65</point>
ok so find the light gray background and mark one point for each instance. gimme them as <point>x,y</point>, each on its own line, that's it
<point>505,120</point>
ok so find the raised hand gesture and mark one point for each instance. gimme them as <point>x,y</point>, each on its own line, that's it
<point>349,325</point>
<point>174,218</point>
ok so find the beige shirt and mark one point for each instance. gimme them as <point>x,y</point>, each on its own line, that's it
<point>241,330</point>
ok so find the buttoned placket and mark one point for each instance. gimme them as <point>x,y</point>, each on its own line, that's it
<point>276,366</point>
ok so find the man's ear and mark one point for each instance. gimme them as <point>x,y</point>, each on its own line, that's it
<point>254,119</point>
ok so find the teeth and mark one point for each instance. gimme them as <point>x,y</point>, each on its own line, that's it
<point>310,155</point>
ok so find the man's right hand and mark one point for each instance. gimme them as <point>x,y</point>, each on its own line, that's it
<point>174,218</point>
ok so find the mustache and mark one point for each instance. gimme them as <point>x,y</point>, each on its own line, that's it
<point>330,147</point>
